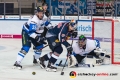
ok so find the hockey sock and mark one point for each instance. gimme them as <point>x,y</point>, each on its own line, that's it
<point>20,57</point>
<point>37,54</point>
<point>53,58</point>
<point>47,56</point>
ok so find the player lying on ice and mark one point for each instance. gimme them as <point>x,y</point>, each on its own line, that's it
<point>31,33</point>
<point>56,37</point>
<point>84,47</point>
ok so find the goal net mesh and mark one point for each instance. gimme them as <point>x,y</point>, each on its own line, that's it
<point>107,31</point>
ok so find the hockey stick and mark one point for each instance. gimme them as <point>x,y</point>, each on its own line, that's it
<point>80,65</point>
<point>44,47</point>
<point>59,64</point>
<point>62,73</point>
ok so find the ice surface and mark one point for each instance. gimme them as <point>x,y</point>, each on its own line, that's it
<point>8,52</point>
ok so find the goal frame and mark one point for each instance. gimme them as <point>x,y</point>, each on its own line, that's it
<point>112,36</point>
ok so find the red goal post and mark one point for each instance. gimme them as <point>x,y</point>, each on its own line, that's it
<point>112,36</point>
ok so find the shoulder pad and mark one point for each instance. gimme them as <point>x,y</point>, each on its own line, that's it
<point>35,19</point>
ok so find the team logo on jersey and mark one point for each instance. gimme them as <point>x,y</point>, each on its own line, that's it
<point>63,35</point>
<point>72,74</point>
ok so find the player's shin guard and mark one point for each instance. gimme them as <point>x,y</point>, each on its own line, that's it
<point>51,66</point>
<point>47,56</point>
<point>20,57</point>
<point>36,55</point>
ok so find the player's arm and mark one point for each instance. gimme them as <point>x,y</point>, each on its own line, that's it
<point>32,34</point>
<point>32,29</point>
<point>62,38</point>
<point>48,24</point>
<point>68,36</point>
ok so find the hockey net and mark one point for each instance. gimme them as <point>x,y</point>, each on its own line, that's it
<point>108,32</point>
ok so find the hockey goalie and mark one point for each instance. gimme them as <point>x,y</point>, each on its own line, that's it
<point>87,47</point>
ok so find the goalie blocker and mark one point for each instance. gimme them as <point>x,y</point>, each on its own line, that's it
<point>85,47</point>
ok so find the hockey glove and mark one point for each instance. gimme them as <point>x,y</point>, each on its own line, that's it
<point>40,39</point>
<point>47,23</point>
<point>69,49</point>
<point>74,34</point>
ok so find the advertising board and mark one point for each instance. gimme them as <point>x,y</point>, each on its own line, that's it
<point>12,29</point>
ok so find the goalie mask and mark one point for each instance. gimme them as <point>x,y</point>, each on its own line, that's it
<point>82,41</point>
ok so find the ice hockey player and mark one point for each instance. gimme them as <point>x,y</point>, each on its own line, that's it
<point>46,17</point>
<point>84,47</point>
<point>56,37</point>
<point>31,34</point>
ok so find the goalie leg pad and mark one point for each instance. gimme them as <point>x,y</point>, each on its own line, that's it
<point>72,61</point>
<point>106,60</point>
<point>98,61</point>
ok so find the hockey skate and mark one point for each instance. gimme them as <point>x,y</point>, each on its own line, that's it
<point>51,68</point>
<point>16,65</point>
<point>41,62</point>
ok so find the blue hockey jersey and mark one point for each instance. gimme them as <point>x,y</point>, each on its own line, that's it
<point>61,31</point>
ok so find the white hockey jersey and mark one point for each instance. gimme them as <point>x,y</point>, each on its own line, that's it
<point>35,26</point>
<point>90,45</point>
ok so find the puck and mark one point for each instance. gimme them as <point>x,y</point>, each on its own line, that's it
<point>62,73</point>
<point>33,73</point>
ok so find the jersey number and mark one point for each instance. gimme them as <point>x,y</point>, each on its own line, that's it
<point>34,27</point>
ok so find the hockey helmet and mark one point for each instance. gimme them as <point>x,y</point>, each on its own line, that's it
<point>73,23</point>
<point>82,38</point>
<point>82,41</point>
<point>39,9</point>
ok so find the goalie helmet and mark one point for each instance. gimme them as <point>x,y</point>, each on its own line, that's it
<point>82,41</point>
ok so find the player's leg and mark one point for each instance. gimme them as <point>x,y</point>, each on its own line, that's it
<point>100,57</point>
<point>37,53</point>
<point>47,56</point>
<point>26,44</point>
<point>56,53</point>
<point>56,49</point>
